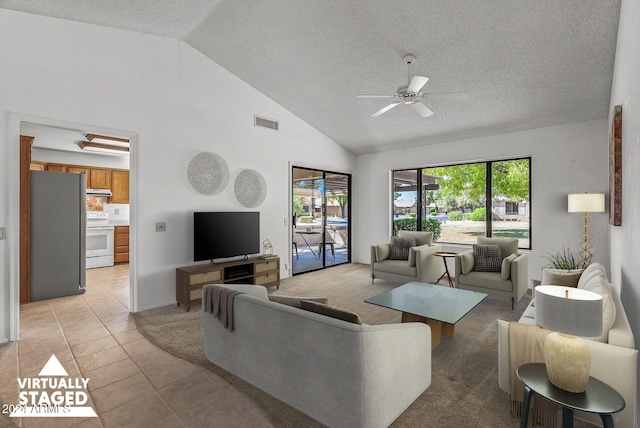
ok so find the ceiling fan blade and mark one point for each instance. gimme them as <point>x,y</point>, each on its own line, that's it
<point>447,96</point>
<point>376,96</point>
<point>417,83</point>
<point>385,109</point>
<point>422,109</point>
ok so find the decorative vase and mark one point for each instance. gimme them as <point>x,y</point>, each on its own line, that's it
<point>568,361</point>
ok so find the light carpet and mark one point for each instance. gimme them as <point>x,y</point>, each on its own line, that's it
<point>464,389</point>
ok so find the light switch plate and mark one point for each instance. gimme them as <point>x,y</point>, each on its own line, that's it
<point>161,227</point>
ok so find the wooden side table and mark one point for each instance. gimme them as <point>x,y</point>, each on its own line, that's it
<point>598,398</point>
<point>445,255</point>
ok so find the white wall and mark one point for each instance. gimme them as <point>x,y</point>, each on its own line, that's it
<point>564,159</point>
<point>625,91</point>
<point>177,103</point>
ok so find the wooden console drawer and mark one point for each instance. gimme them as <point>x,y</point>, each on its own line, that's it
<point>195,294</point>
<point>205,277</point>
<point>270,265</point>
<point>266,279</point>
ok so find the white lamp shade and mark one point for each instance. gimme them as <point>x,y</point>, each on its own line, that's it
<point>586,202</point>
<point>569,310</point>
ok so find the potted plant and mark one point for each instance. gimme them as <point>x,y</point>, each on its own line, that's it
<point>565,259</point>
<point>563,262</point>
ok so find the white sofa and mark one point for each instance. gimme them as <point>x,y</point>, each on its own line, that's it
<point>339,373</point>
<point>613,361</point>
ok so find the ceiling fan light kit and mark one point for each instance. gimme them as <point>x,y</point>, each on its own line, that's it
<point>412,94</point>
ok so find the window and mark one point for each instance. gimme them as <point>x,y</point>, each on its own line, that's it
<point>454,201</point>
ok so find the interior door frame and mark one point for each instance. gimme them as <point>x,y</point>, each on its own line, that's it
<point>324,171</point>
<point>13,168</point>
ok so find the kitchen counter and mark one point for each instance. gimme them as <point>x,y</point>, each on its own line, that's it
<point>118,223</point>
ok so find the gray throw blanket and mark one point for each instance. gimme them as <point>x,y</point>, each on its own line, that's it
<point>218,301</point>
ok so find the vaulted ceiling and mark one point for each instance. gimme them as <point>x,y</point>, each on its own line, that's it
<point>525,63</point>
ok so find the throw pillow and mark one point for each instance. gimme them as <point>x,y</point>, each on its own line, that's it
<point>567,278</point>
<point>412,256</point>
<point>295,301</point>
<point>505,271</point>
<point>599,284</point>
<point>383,251</point>
<point>330,311</point>
<point>400,247</point>
<point>466,262</point>
<point>487,258</point>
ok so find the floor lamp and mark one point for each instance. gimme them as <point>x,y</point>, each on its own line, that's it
<point>586,203</point>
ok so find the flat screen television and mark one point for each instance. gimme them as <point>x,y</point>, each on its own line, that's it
<point>218,235</point>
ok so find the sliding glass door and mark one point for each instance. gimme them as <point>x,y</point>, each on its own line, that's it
<point>321,214</point>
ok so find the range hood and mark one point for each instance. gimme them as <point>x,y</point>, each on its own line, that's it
<point>99,192</point>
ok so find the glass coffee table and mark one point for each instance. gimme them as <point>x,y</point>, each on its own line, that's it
<point>439,307</point>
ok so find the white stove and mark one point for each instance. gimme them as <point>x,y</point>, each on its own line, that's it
<point>97,218</point>
<point>99,242</point>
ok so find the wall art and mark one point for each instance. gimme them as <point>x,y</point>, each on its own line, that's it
<point>615,168</point>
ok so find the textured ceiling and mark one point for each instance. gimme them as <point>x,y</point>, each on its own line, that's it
<point>525,63</point>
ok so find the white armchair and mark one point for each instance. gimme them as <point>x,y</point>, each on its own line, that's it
<point>509,283</point>
<point>420,264</point>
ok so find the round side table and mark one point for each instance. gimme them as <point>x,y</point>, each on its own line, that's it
<point>445,255</point>
<point>598,398</point>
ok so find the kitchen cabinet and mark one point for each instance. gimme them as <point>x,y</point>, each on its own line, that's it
<point>78,169</point>
<point>99,179</point>
<point>36,166</point>
<point>55,167</point>
<point>121,238</point>
<point>119,186</point>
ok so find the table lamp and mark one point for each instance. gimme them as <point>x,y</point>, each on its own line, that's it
<point>586,203</point>
<point>569,312</point>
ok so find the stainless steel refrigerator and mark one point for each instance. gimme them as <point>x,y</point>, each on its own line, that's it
<point>58,233</point>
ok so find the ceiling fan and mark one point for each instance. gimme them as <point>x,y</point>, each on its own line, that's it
<point>412,94</point>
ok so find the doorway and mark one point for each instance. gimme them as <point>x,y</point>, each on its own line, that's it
<point>56,155</point>
<point>321,219</point>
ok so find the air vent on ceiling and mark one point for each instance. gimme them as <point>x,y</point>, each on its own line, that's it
<point>265,123</point>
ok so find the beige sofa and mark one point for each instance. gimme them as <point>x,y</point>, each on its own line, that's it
<point>613,359</point>
<point>338,373</point>
<point>421,264</point>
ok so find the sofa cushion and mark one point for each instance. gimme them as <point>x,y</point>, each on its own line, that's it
<point>330,311</point>
<point>398,267</point>
<point>486,258</point>
<point>567,278</point>
<point>295,300</point>
<point>506,266</point>
<point>598,283</point>
<point>490,280</point>
<point>421,237</point>
<point>400,247</point>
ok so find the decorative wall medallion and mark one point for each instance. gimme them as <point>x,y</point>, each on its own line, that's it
<point>208,173</point>
<point>250,188</point>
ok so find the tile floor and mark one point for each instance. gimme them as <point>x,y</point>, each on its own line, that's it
<point>131,382</point>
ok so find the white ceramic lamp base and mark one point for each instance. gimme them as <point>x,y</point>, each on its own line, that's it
<point>568,361</point>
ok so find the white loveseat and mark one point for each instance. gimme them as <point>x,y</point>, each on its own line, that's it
<point>339,373</point>
<point>613,359</point>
